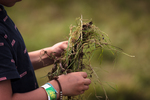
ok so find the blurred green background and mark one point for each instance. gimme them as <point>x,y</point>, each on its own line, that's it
<point>43,23</point>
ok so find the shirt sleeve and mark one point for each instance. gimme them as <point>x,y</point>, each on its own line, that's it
<point>8,68</point>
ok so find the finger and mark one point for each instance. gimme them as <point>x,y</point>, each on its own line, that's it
<point>84,74</point>
<point>65,44</point>
<point>81,92</point>
<point>87,81</point>
<point>86,87</point>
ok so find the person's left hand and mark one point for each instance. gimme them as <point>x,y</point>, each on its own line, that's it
<point>59,48</point>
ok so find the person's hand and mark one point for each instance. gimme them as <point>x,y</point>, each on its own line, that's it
<point>74,83</point>
<point>59,48</point>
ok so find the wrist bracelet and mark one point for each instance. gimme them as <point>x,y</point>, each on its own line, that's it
<point>52,87</point>
<point>51,92</point>
<point>60,93</point>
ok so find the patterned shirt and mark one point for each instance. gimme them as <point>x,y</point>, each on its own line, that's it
<point>15,64</point>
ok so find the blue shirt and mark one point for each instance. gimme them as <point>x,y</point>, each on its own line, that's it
<point>15,64</point>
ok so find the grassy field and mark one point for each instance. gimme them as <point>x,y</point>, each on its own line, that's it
<point>46,22</point>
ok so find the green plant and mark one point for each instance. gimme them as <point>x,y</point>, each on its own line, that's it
<point>84,39</point>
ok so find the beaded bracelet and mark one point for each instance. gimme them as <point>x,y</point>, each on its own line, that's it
<point>51,92</point>
<point>60,93</point>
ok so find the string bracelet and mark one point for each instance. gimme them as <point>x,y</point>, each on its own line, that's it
<point>60,93</point>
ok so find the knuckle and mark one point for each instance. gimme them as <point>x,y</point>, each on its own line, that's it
<point>89,81</point>
<point>87,87</point>
<point>82,92</point>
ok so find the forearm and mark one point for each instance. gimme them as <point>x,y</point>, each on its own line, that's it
<point>38,94</point>
<point>72,84</point>
<point>46,56</point>
<point>41,58</point>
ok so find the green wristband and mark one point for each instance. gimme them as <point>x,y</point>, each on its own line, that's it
<point>50,92</point>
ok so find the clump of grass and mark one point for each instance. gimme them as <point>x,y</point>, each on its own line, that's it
<point>84,39</point>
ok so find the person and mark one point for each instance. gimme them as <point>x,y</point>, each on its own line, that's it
<point>17,77</point>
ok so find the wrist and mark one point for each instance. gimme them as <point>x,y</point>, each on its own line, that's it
<point>46,52</point>
<point>56,86</point>
<point>60,88</point>
<point>46,56</point>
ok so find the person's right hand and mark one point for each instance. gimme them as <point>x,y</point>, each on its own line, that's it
<point>72,84</point>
